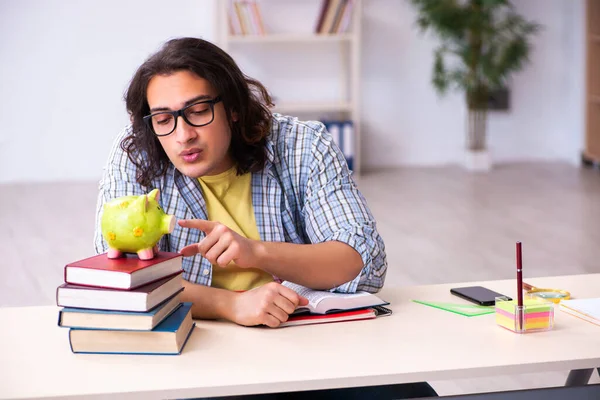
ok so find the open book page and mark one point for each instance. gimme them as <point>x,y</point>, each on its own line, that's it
<point>587,307</point>
<point>321,302</point>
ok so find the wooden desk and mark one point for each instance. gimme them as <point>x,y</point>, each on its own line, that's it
<point>416,343</point>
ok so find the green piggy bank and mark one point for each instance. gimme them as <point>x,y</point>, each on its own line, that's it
<point>135,224</point>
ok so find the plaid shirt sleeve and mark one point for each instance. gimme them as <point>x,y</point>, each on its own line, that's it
<point>334,209</point>
<point>118,179</point>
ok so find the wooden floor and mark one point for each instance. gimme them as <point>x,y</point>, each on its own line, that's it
<point>440,225</point>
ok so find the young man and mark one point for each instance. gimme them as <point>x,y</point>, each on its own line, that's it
<point>259,197</point>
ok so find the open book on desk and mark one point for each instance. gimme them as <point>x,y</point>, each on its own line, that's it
<point>586,309</point>
<point>323,302</point>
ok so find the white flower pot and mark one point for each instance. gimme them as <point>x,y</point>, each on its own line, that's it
<point>478,161</point>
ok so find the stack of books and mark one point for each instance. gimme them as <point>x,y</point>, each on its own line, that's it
<point>125,305</point>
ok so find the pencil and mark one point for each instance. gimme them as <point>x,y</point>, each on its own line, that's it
<point>520,284</point>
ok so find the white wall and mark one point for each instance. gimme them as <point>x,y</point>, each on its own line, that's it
<point>64,65</point>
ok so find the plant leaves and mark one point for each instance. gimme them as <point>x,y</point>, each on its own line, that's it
<point>482,42</point>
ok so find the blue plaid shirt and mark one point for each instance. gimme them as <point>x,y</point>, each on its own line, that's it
<point>305,194</point>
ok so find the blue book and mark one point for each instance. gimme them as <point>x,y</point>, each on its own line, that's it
<point>168,338</point>
<point>342,133</point>
<point>348,143</point>
<point>70,317</point>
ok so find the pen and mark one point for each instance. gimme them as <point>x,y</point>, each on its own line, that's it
<point>520,285</point>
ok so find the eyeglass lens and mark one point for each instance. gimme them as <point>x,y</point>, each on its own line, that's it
<point>197,115</point>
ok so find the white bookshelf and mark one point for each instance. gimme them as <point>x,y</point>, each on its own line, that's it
<point>289,38</point>
<point>346,104</point>
<point>314,107</point>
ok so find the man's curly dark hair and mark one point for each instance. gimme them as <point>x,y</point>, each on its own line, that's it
<point>242,95</point>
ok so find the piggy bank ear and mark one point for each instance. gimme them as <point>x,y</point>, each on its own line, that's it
<point>142,202</point>
<point>154,195</point>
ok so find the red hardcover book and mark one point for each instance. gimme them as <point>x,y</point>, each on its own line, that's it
<point>367,313</point>
<point>128,272</point>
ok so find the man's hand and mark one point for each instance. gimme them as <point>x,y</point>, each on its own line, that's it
<point>221,245</point>
<point>270,305</point>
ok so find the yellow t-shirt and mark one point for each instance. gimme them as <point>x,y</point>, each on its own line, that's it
<point>229,201</point>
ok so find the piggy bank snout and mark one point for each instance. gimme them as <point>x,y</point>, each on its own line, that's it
<point>170,223</point>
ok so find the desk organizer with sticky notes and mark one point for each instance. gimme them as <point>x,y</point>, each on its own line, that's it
<point>536,314</point>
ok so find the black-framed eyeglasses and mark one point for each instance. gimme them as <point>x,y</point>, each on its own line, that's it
<point>202,113</point>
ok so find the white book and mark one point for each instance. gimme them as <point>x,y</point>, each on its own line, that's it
<point>334,130</point>
<point>348,140</point>
<point>586,309</point>
<point>141,299</point>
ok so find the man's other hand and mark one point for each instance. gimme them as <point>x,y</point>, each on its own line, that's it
<point>270,305</point>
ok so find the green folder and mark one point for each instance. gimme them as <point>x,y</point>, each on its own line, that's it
<point>467,310</point>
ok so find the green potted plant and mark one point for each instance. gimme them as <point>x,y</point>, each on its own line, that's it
<point>483,42</point>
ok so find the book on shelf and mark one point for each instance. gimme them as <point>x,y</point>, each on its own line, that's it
<point>124,320</point>
<point>586,309</point>
<point>342,133</point>
<point>128,272</point>
<point>324,302</point>
<point>245,18</point>
<point>334,17</point>
<point>141,299</point>
<point>168,338</point>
